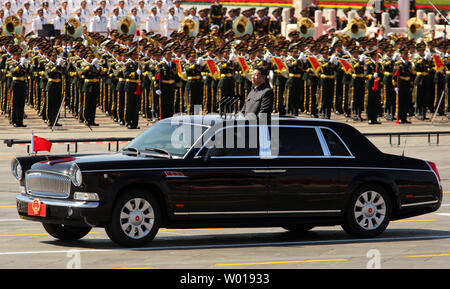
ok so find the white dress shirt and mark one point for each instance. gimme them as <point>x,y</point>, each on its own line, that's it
<point>153,24</point>
<point>113,21</point>
<point>98,24</point>
<point>171,24</point>
<point>37,24</point>
<point>179,13</point>
<point>58,22</point>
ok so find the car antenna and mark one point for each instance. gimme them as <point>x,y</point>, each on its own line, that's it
<point>404,146</point>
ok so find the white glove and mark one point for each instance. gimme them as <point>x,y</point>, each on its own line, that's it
<point>200,61</point>
<point>138,71</point>
<point>302,57</point>
<point>23,61</point>
<point>396,90</point>
<point>375,75</point>
<point>268,57</point>
<point>59,61</point>
<point>333,59</point>
<point>158,92</point>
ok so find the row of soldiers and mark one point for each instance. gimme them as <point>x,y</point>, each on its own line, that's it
<point>157,77</point>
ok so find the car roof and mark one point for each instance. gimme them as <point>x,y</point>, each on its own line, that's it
<point>213,119</point>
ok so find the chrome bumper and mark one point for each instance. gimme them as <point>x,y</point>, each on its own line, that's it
<point>58,202</point>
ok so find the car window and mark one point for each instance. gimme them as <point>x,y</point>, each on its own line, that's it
<point>335,145</point>
<point>298,141</point>
<point>175,137</point>
<point>236,141</point>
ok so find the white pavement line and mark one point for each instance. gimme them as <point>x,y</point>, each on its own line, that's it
<point>443,214</point>
<point>223,246</point>
<point>11,220</point>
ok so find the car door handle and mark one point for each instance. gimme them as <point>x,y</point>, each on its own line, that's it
<point>277,171</point>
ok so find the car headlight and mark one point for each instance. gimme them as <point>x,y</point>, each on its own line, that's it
<point>76,175</point>
<point>16,169</point>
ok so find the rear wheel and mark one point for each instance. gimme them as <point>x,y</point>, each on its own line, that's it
<point>369,212</point>
<point>135,219</point>
<point>66,233</point>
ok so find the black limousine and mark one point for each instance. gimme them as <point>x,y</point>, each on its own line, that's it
<point>208,171</point>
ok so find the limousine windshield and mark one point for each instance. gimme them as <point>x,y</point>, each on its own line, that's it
<point>171,138</point>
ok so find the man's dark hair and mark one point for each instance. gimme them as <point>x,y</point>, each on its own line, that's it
<point>264,71</point>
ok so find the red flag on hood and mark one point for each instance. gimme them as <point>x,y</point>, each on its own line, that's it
<point>40,144</point>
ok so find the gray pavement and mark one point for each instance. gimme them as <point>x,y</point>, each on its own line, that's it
<point>420,242</point>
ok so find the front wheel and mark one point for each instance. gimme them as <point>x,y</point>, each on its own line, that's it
<point>66,233</point>
<point>135,219</point>
<point>369,212</point>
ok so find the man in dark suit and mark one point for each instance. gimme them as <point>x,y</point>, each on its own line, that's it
<point>260,99</point>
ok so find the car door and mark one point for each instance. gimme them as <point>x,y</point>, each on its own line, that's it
<point>307,176</point>
<point>227,184</point>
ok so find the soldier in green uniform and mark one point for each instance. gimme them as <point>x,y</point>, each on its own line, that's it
<point>210,81</point>
<point>326,84</point>
<point>389,97</point>
<point>371,69</point>
<point>112,83</point>
<point>53,73</point>
<point>90,72</point>
<point>421,87</point>
<point>18,68</point>
<point>312,82</point>
<point>402,78</point>
<point>225,87</point>
<point>279,81</point>
<point>275,21</point>
<point>294,85</point>
<point>346,80</point>
<point>193,92</point>
<point>204,22</point>
<point>132,91</point>
<point>357,85</point>
<point>166,74</point>
<point>338,78</point>
<point>120,92</point>
<point>42,87</point>
<point>146,79</point>
<point>216,13</point>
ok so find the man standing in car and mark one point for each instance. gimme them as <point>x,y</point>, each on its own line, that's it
<point>259,101</point>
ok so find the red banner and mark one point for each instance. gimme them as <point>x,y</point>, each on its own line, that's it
<point>347,66</point>
<point>179,69</point>
<point>212,67</point>
<point>243,64</point>
<point>438,63</point>
<point>314,63</point>
<point>279,63</point>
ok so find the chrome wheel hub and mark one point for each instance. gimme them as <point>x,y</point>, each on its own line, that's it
<point>137,218</point>
<point>370,210</point>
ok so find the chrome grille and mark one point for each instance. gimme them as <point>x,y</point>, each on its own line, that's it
<point>47,184</point>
